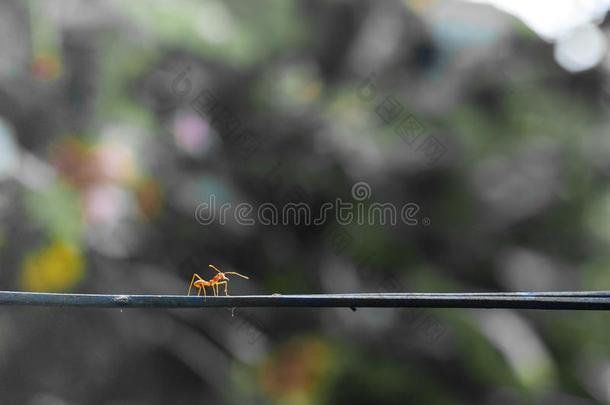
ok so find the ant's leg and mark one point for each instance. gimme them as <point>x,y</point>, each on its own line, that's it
<point>191,285</point>
<point>215,288</point>
<point>225,284</point>
<point>192,281</point>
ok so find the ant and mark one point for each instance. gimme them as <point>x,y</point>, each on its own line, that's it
<point>217,280</point>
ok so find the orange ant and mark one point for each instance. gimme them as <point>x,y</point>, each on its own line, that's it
<point>217,280</point>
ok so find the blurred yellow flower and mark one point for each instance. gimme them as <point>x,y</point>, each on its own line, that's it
<point>56,268</point>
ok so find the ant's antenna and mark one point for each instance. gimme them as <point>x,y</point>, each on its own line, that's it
<point>214,267</point>
<point>240,275</point>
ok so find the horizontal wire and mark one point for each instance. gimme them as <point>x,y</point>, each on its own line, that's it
<point>576,300</point>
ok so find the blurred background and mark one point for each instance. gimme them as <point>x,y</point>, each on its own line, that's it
<point>119,119</point>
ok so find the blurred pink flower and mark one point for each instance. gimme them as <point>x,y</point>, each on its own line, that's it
<point>105,204</point>
<point>192,133</point>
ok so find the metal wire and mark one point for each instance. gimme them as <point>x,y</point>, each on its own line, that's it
<point>573,300</point>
